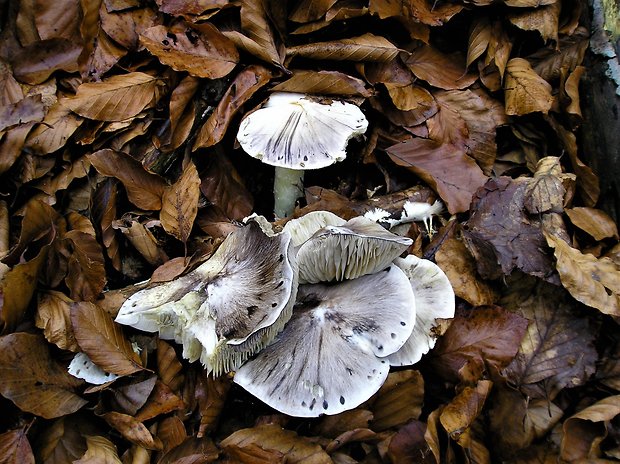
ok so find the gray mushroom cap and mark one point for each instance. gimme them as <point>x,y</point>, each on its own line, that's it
<point>434,298</point>
<point>227,308</point>
<point>358,247</point>
<point>331,356</point>
<point>294,131</point>
<point>303,228</point>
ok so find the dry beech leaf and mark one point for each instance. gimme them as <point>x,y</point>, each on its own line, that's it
<point>100,451</point>
<point>525,91</point>
<point>594,282</point>
<point>452,174</point>
<point>63,440</point>
<point>557,351</point>
<point>53,316</point>
<point>103,212</point>
<point>254,454</point>
<point>568,54</point>
<point>104,56</point>
<point>56,128</point>
<point>409,444</point>
<point>171,431</point>
<point>584,431</point>
<point>571,89</point>
<point>310,10</point>
<point>211,394</point>
<point>323,83</point>
<point>298,450</point>
<point>180,204</point>
<point>15,448</point>
<point>86,275</point>
<point>448,72</point>
<point>595,222</point>
<point>144,189</point>
<point>4,229</point>
<point>11,145</point>
<point>129,397</point>
<point>202,51</point>
<point>142,239</point>
<point>460,267</point>
<point>544,20</point>
<point>192,450</point>
<point>243,87</point>
<point>132,430</point>
<point>545,191</point>
<point>28,109</point>
<point>168,366</point>
<point>333,426</point>
<point>33,381</point>
<point>485,335</point>
<point>116,98</point>
<point>463,410</point>
<point>103,340</point>
<point>367,47</point>
<point>161,401</point>
<point>182,113</point>
<point>35,63</point>
<point>409,97</point>
<point>189,7</point>
<point>398,401</point>
<point>125,27</point>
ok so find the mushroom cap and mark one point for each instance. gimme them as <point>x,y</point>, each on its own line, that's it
<point>358,247</point>
<point>293,131</point>
<point>240,297</point>
<point>303,228</point>
<point>331,355</point>
<point>434,299</point>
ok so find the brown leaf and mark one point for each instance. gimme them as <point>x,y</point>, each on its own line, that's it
<point>144,189</point>
<point>463,410</point>
<point>568,54</point>
<point>544,20</point>
<point>103,212</point>
<point>367,47</point>
<point>254,454</point>
<point>125,27</point>
<point>29,109</point>
<point>129,397</point>
<point>595,222</point>
<point>298,450</point>
<point>182,113</point>
<point>310,10</point>
<point>168,366</point>
<point>189,7</point>
<point>86,274</point>
<point>62,441</point>
<point>132,430</point>
<point>409,445</point>
<point>142,239</point>
<point>104,56</point>
<point>191,451</point>
<point>571,93</point>
<point>525,91</point>
<point>243,87</point>
<point>102,340</point>
<point>594,282</point>
<point>4,229</point>
<point>11,145</point>
<point>100,451</point>
<point>557,350</point>
<point>448,72</point>
<point>116,98</point>
<point>35,63</point>
<point>545,192</point>
<point>398,401</point>
<point>57,126</point>
<point>211,394</point>
<point>333,426</point>
<point>15,448</point>
<point>584,431</point>
<point>201,51</point>
<point>427,12</point>
<point>32,380</point>
<point>171,432</point>
<point>452,174</point>
<point>161,401</point>
<point>501,236</point>
<point>323,83</point>
<point>53,316</point>
<point>460,267</point>
<point>486,335</point>
<point>180,204</point>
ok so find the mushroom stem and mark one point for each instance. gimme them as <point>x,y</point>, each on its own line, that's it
<point>288,186</point>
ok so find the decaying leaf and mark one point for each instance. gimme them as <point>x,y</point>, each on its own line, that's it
<point>15,448</point>
<point>447,72</point>
<point>398,401</point>
<point>368,47</point>
<point>593,221</point>
<point>53,316</point>
<point>525,91</point>
<point>180,204</point>
<point>100,449</point>
<point>464,409</point>
<point>323,83</point>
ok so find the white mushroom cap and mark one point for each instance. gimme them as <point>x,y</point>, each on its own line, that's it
<point>227,308</point>
<point>358,247</point>
<point>434,299</point>
<point>293,131</point>
<point>301,229</point>
<point>331,356</point>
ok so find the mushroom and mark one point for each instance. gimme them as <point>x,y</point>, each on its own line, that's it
<point>359,246</point>
<point>227,308</point>
<point>303,228</point>
<point>434,299</point>
<point>294,132</point>
<point>332,354</point>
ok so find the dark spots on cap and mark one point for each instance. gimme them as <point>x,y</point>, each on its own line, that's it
<point>393,335</point>
<point>350,371</point>
<point>387,269</point>
<point>311,407</point>
<point>382,361</point>
<point>325,404</point>
<point>380,347</point>
<point>342,400</point>
<point>280,284</point>
<point>251,310</point>
<point>374,371</point>
<point>403,323</point>
<point>369,377</point>
<point>135,303</point>
<point>305,158</point>
<point>273,305</point>
<point>281,258</point>
<point>304,404</point>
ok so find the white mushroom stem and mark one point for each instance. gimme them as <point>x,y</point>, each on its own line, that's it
<point>288,186</point>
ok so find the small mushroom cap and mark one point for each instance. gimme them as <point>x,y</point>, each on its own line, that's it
<point>330,357</point>
<point>303,228</point>
<point>293,131</point>
<point>358,247</point>
<point>434,299</point>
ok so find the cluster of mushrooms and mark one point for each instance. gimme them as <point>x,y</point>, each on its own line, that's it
<point>309,318</point>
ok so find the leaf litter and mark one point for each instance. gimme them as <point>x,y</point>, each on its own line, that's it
<point>119,163</point>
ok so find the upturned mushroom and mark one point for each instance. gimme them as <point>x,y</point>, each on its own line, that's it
<point>295,132</point>
<point>333,353</point>
<point>229,307</point>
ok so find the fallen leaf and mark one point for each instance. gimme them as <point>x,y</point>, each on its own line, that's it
<point>211,395</point>
<point>180,204</point>
<point>116,98</point>
<point>594,282</point>
<point>29,109</point>
<point>544,20</point>
<point>11,145</point>
<point>525,91</point>
<point>144,189</point>
<point>171,432</point>
<point>129,397</point>
<point>168,366</point>
<point>254,454</point>
<point>323,83</point>
<point>33,381</point>
<point>132,430</point>
<point>103,57</point>
<point>595,222</point>
<point>86,275</point>
<point>63,440</point>
<point>203,51</point>
<point>298,450</point>
<point>142,239</point>
<point>429,13</point>
<point>53,316</point>
<point>452,174</point>
<point>36,62</point>
<point>53,133</point>
<point>557,351</point>
<point>161,401</point>
<point>483,336</point>
<point>182,113</point>
<point>192,451</point>
<point>545,191</point>
<point>100,450</point>
<point>409,445</point>
<point>15,448</point>
<point>448,72</point>
<point>333,426</point>
<point>310,10</point>
<point>125,27</point>
<point>398,401</point>
<point>189,7</point>
<point>367,47</point>
<point>102,340</point>
<point>464,409</point>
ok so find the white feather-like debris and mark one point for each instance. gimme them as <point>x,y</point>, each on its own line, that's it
<point>84,368</point>
<point>413,211</point>
<point>332,354</point>
<point>296,131</point>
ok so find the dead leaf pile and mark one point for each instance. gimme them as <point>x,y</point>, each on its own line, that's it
<point>118,163</point>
